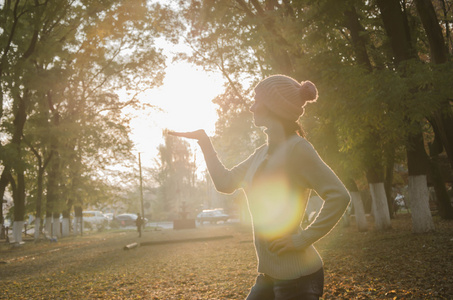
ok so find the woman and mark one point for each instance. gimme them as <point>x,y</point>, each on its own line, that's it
<point>277,179</point>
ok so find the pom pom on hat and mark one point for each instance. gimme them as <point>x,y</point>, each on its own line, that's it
<point>285,96</point>
<point>308,91</point>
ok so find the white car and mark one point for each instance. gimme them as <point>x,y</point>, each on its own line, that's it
<point>124,220</point>
<point>212,216</point>
<point>95,218</point>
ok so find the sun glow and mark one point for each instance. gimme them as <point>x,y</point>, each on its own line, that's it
<point>276,210</point>
<point>185,100</point>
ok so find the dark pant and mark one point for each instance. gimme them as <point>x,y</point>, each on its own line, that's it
<point>308,287</point>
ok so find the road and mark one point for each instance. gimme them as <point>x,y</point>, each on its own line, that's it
<point>169,225</point>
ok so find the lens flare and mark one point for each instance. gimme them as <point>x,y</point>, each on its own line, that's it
<point>277,211</point>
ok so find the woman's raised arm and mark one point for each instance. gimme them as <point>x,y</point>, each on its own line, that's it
<point>225,180</point>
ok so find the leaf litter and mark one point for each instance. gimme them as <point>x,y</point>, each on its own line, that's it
<point>394,264</point>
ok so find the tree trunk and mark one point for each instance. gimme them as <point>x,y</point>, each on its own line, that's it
<point>53,174</point>
<point>17,231</point>
<point>48,227</point>
<point>19,201</point>
<point>397,29</point>
<point>19,205</point>
<point>417,165</point>
<point>78,220</point>
<point>390,161</point>
<point>443,117</point>
<point>20,118</point>
<point>359,211</point>
<point>345,220</point>
<point>380,209</point>
<point>443,200</point>
<point>4,181</point>
<point>357,204</point>
<point>418,195</point>
<point>37,228</point>
<point>52,187</point>
<point>357,36</point>
<point>374,172</point>
<point>375,177</point>
<point>39,194</point>
<point>56,225</point>
<point>447,22</point>
<point>18,191</point>
<point>40,187</point>
<point>65,227</point>
<point>438,48</point>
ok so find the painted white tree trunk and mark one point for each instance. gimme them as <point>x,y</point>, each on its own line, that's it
<point>422,220</point>
<point>17,231</point>
<point>345,220</point>
<point>77,225</point>
<point>48,227</point>
<point>65,227</point>
<point>56,229</point>
<point>380,206</point>
<point>37,228</point>
<point>359,211</point>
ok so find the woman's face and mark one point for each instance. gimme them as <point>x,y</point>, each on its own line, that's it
<point>260,112</point>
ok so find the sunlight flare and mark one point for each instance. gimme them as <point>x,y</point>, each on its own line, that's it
<point>185,100</point>
<point>273,220</point>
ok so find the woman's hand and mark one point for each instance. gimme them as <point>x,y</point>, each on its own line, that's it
<point>196,135</point>
<point>282,245</point>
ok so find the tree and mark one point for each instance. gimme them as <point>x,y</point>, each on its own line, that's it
<point>395,23</point>
<point>175,177</point>
<point>18,46</point>
<point>442,119</point>
<point>264,25</point>
<point>73,58</point>
<point>236,136</point>
<point>362,56</point>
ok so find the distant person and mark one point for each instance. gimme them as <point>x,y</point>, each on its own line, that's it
<point>277,179</point>
<point>139,224</point>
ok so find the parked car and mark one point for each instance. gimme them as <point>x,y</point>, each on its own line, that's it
<point>212,216</point>
<point>124,220</point>
<point>94,218</point>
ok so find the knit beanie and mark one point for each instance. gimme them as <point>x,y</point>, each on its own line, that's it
<point>285,96</point>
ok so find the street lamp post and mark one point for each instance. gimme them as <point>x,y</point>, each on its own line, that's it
<point>141,185</point>
<point>2,222</point>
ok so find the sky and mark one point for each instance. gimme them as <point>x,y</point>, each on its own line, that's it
<point>186,102</point>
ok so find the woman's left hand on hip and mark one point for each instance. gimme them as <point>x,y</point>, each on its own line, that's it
<point>282,245</point>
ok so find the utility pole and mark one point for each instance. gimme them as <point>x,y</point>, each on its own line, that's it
<point>141,185</point>
<point>2,221</point>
